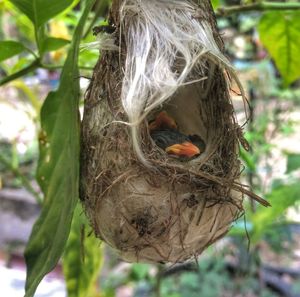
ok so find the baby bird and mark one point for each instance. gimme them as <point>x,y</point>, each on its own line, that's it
<point>164,132</point>
<point>175,143</point>
<point>162,121</point>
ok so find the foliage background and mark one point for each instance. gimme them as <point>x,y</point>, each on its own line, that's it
<point>40,54</point>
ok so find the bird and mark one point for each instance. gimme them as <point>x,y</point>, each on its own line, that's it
<point>163,121</point>
<point>164,131</point>
<point>175,143</point>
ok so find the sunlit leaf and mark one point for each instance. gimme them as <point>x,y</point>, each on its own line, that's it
<point>280,198</point>
<point>53,44</point>
<point>58,170</point>
<point>280,33</point>
<point>82,258</point>
<point>215,3</point>
<point>10,48</point>
<point>40,11</point>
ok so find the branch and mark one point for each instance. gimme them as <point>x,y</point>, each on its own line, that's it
<point>260,6</point>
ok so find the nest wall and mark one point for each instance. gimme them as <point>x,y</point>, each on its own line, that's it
<point>165,209</point>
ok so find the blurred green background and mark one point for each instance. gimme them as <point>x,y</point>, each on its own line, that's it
<point>261,254</point>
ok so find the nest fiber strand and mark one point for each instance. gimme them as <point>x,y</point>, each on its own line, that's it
<point>146,204</point>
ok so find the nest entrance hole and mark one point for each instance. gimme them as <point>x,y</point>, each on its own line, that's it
<point>186,111</point>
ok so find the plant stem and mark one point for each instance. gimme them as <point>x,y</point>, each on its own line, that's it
<point>158,280</point>
<point>26,183</point>
<point>34,65</point>
<point>259,6</point>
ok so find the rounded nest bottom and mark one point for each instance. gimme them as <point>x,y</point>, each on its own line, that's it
<point>160,223</point>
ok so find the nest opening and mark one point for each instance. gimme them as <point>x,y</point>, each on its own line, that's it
<point>185,116</point>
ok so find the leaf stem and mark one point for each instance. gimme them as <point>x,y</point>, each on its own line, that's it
<point>31,67</point>
<point>26,183</point>
<point>259,6</point>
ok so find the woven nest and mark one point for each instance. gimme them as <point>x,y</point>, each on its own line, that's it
<point>148,205</point>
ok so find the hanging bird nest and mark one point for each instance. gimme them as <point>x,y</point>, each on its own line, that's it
<point>159,166</point>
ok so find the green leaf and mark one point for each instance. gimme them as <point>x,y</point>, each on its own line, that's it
<point>58,169</point>
<point>53,44</point>
<point>10,48</point>
<point>40,11</point>
<point>82,258</point>
<point>280,198</point>
<point>280,34</point>
<point>293,162</point>
<point>215,3</point>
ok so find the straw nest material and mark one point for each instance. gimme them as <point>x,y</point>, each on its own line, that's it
<point>160,55</point>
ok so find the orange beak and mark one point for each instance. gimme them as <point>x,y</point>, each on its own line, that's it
<point>185,149</point>
<point>163,120</point>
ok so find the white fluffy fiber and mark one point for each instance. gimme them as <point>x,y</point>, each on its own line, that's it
<point>105,42</point>
<point>160,34</point>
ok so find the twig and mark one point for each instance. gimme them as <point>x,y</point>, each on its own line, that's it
<point>259,6</point>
